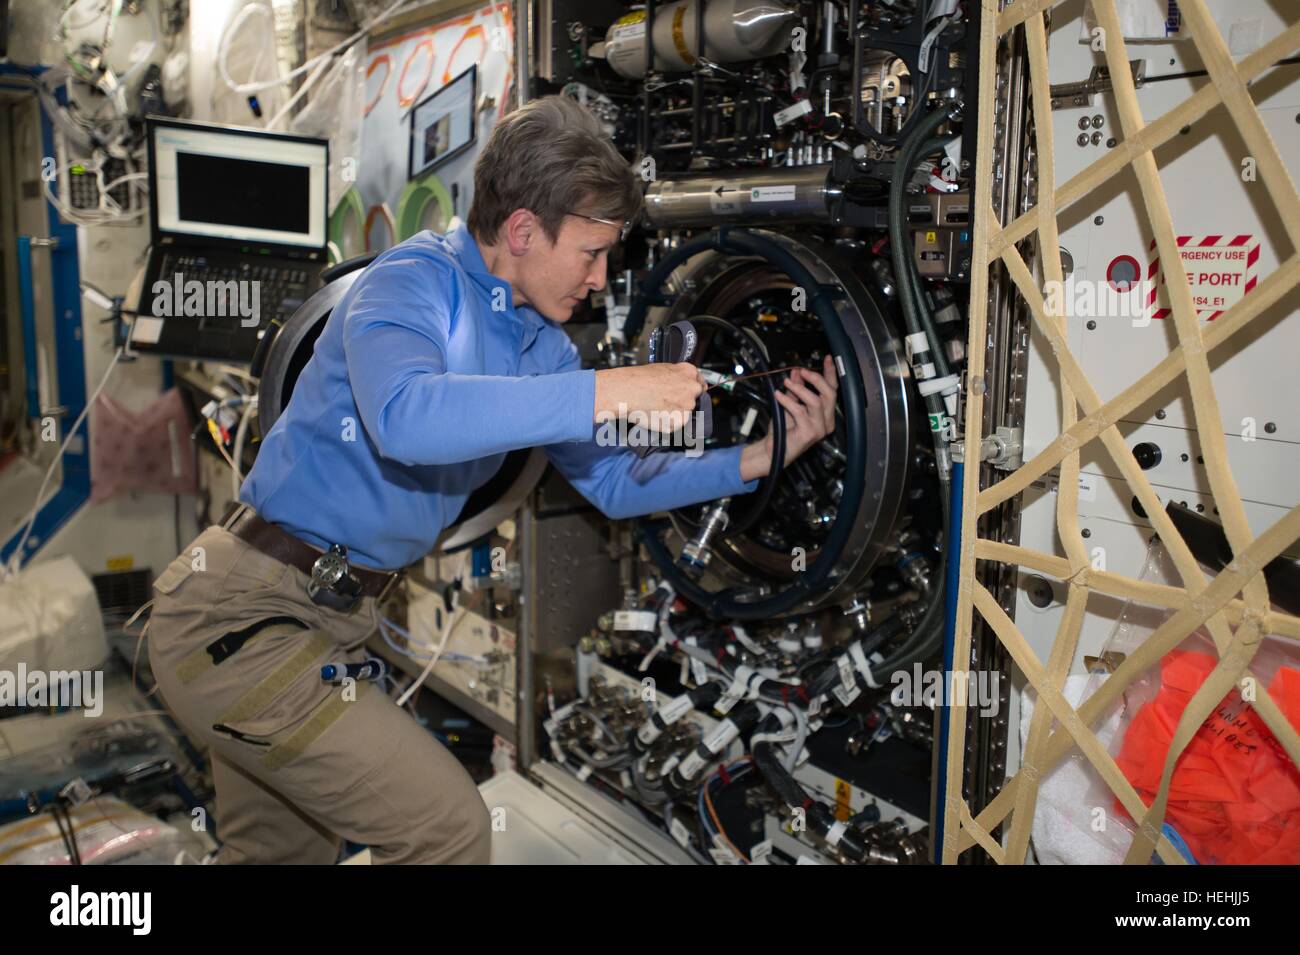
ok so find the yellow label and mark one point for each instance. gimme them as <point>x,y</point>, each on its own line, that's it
<point>843,795</point>
<point>124,562</point>
<point>932,237</point>
<point>679,35</point>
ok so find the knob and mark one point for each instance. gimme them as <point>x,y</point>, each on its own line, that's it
<point>1147,455</point>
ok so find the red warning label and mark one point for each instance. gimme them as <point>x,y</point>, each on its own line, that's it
<point>1220,270</point>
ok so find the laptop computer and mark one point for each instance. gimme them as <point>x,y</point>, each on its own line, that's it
<point>239,237</point>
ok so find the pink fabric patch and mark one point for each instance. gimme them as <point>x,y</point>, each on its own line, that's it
<point>146,451</point>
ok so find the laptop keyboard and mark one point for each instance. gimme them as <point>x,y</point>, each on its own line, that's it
<point>280,289</point>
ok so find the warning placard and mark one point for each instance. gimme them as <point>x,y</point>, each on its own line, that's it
<point>1220,270</point>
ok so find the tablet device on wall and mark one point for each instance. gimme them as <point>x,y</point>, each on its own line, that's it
<point>442,124</point>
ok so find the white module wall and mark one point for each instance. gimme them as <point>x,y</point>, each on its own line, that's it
<point>1230,233</point>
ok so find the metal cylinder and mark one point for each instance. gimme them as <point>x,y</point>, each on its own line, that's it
<point>796,194</point>
<point>734,31</point>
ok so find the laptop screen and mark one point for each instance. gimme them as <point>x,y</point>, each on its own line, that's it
<point>220,184</point>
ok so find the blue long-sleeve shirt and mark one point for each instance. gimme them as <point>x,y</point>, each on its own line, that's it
<point>415,391</point>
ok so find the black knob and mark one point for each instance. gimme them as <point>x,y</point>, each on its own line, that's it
<point>1147,455</point>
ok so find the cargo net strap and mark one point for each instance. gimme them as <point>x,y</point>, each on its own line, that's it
<point>1234,607</point>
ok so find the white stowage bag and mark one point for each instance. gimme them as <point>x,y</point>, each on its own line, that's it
<point>50,619</point>
<point>107,830</point>
<point>1064,830</point>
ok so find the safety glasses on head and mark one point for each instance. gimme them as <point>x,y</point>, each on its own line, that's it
<point>623,227</point>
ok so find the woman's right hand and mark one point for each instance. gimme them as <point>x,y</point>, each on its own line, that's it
<point>660,391</point>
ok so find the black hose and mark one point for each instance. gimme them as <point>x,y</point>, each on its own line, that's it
<point>726,604</point>
<point>758,501</point>
<point>899,248</point>
<point>918,288</point>
<point>818,817</point>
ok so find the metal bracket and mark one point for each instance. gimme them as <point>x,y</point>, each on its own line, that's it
<point>1004,449</point>
<point>1073,95</point>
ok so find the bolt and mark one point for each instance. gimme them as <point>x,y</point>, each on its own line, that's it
<point>1270,427</point>
<point>1039,591</point>
<point>1098,220</point>
<point>1085,532</point>
<point>1160,415</point>
<point>1083,139</point>
<point>1111,143</point>
<point>1098,121</point>
<point>1091,325</point>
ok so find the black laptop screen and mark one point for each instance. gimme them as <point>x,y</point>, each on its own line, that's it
<point>243,192</point>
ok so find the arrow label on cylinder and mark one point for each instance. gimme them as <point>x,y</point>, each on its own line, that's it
<point>725,199</point>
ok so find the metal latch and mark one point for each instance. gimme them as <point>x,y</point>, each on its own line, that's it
<point>1072,95</point>
<point>1004,449</point>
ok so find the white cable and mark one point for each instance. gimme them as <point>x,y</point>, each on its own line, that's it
<point>103,215</point>
<point>307,84</point>
<point>447,629</point>
<point>236,371</point>
<point>14,563</point>
<point>237,452</point>
<point>247,89</point>
<point>801,719</point>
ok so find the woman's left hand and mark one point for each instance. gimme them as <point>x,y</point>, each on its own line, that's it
<point>809,402</point>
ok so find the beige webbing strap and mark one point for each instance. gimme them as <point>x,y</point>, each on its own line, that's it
<point>199,661</point>
<point>1238,596</point>
<point>324,717</point>
<point>260,696</point>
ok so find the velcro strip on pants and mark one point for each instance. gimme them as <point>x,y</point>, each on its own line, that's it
<point>260,696</point>
<point>203,659</point>
<point>325,716</point>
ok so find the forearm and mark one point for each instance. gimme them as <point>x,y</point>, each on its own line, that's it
<point>755,461</point>
<point>446,418</point>
<point>623,485</point>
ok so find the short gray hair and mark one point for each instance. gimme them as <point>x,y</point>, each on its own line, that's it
<point>551,157</point>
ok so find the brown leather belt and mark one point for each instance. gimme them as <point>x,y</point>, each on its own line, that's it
<point>274,541</point>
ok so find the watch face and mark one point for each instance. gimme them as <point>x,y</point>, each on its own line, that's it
<point>329,569</point>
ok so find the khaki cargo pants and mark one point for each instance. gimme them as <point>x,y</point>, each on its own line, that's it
<point>298,763</point>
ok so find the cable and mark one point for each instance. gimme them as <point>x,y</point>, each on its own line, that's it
<point>457,615</point>
<point>109,211</point>
<point>898,245</point>
<point>237,451</point>
<point>61,819</point>
<point>14,563</point>
<point>247,89</point>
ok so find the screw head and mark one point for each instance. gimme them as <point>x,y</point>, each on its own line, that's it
<point>1098,220</point>
<point>1039,591</point>
<point>1270,427</point>
<point>1092,325</point>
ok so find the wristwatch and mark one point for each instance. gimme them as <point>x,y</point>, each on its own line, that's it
<point>332,584</point>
